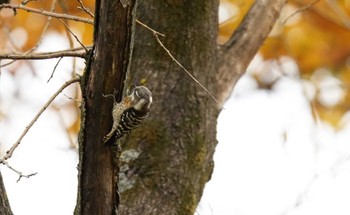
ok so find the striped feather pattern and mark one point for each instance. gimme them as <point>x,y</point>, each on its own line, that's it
<point>129,121</point>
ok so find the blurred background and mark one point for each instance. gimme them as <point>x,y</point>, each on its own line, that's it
<point>290,156</point>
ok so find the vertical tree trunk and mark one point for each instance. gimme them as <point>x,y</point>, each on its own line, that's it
<point>172,152</point>
<point>105,72</point>
<point>5,208</point>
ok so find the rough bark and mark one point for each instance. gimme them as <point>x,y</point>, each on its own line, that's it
<point>5,208</point>
<point>105,72</point>
<point>173,150</point>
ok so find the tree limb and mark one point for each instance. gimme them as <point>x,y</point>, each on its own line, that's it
<point>16,144</point>
<point>47,13</point>
<point>252,32</point>
<point>77,52</point>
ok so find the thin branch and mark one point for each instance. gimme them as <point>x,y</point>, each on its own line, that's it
<point>75,36</point>
<point>16,144</point>
<point>73,99</point>
<point>188,73</point>
<point>42,32</point>
<point>44,55</point>
<point>155,34</point>
<point>70,39</point>
<point>147,27</point>
<point>47,13</point>
<point>76,52</point>
<point>85,9</point>
<point>54,69</point>
<point>52,8</point>
<point>300,10</point>
<point>20,174</point>
<point>66,23</point>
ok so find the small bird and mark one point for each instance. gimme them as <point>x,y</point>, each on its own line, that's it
<point>129,113</point>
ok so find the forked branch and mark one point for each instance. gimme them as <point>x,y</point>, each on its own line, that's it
<point>16,144</point>
<point>20,174</point>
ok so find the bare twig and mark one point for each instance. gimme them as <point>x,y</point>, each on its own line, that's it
<point>20,174</point>
<point>147,27</point>
<point>52,8</point>
<point>6,64</point>
<point>47,13</point>
<point>16,56</point>
<point>75,36</point>
<point>42,33</point>
<point>70,39</point>
<point>76,52</point>
<point>73,99</point>
<point>300,10</point>
<point>156,35</point>
<point>54,69</point>
<point>85,9</point>
<point>16,144</point>
<point>184,69</point>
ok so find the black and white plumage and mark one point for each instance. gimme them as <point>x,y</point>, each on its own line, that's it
<point>129,113</point>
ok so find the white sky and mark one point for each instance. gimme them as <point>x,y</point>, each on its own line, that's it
<point>272,158</point>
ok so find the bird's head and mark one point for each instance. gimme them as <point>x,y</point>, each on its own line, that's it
<point>141,98</point>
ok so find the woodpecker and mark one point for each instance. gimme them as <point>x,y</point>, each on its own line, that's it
<point>129,113</point>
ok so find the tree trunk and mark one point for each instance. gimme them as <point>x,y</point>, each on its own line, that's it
<point>105,72</point>
<point>172,152</point>
<point>5,208</point>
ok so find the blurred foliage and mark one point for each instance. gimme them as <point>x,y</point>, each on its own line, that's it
<point>315,35</point>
